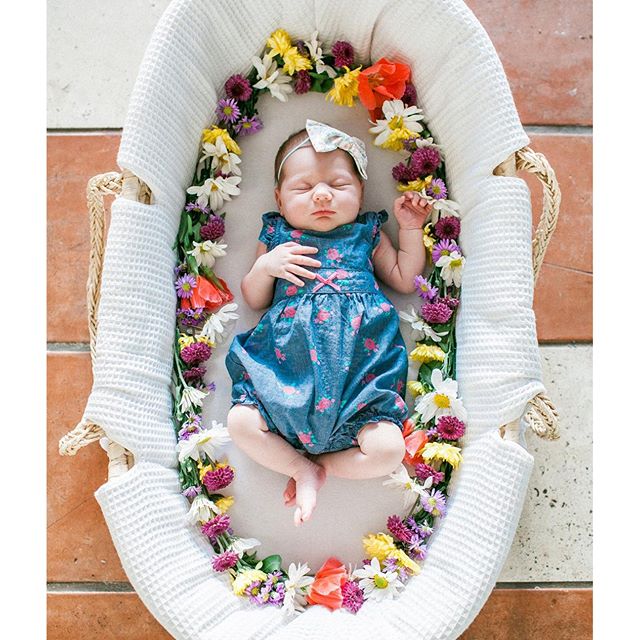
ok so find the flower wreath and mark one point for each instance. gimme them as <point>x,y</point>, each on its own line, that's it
<point>205,312</point>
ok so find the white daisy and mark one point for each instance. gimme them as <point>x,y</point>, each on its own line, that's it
<point>241,545</point>
<point>396,116</point>
<point>376,583</point>
<point>202,510</point>
<point>315,53</point>
<point>204,441</point>
<point>452,266</point>
<point>206,252</point>
<point>441,208</point>
<point>191,397</point>
<point>296,587</point>
<point>401,479</point>
<point>269,75</point>
<point>442,401</point>
<point>419,328</point>
<point>218,324</point>
<point>221,158</point>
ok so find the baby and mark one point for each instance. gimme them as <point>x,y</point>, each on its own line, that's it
<point>318,383</point>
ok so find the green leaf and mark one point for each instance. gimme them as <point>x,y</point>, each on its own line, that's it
<point>271,563</point>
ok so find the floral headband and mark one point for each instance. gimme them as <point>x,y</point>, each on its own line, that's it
<point>325,138</point>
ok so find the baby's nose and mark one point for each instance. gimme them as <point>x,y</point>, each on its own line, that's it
<point>322,192</point>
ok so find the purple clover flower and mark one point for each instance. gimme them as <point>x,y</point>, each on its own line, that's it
<point>398,529</point>
<point>426,471</point>
<point>218,478</point>
<point>194,374</point>
<point>196,353</point>
<point>219,524</point>
<point>302,82</point>
<point>436,313</point>
<point>226,560</point>
<point>450,428</point>
<point>352,596</point>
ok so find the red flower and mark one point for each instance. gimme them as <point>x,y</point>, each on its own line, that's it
<point>414,440</point>
<point>326,589</point>
<point>384,80</point>
<point>208,295</point>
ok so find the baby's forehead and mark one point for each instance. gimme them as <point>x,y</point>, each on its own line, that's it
<point>312,164</point>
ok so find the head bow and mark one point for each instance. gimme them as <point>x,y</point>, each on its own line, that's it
<point>324,138</point>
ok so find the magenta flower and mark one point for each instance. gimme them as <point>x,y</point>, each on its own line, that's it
<point>190,317</point>
<point>214,228</point>
<point>213,528</point>
<point>398,529</point>
<point>218,478</point>
<point>194,374</point>
<point>410,97</point>
<point>435,503</point>
<point>238,87</point>
<point>426,471</point>
<point>402,173</point>
<point>343,54</point>
<point>436,313</point>
<point>302,82</point>
<point>443,248</point>
<point>352,596</point>
<point>196,353</point>
<point>246,126</point>
<point>185,286</point>
<point>191,492</point>
<point>227,110</point>
<point>194,206</point>
<point>425,160</point>
<point>226,560</point>
<point>437,189</point>
<point>450,428</point>
<point>452,303</point>
<point>447,228</point>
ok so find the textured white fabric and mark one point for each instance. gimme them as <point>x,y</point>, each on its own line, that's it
<point>465,95</point>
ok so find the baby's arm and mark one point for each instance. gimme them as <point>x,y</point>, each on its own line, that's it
<point>397,268</point>
<point>282,262</point>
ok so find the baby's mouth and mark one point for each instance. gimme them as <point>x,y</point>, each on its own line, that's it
<point>323,212</point>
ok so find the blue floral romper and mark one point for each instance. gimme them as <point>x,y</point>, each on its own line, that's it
<point>328,357</point>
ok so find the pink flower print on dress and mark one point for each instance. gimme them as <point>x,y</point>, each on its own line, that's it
<point>322,316</point>
<point>369,377</point>
<point>313,354</point>
<point>291,290</point>
<point>246,376</point>
<point>385,306</point>
<point>279,355</point>
<point>306,437</point>
<point>289,312</point>
<point>243,397</point>
<point>361,405</point>
<point>296,234</point>
<point>324,404</point>
<point>376,286</point>
<point>400,386</point>
<point>374,230</point>
<point>334,254</point>
<point>370,345</point>
<point>289,390</point>
<point>271,229</point>
<point>355,324</point>
<point>400,403</point>
<point>341,274</point>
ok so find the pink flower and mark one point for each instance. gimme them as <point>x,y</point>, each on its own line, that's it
<point>370,344</point>
<point>305,438</point>
<point>324,404</point>
<point>245,375</point>
<point>291,290</point>
<point>333,254</point>
<point>385,306</point>
<point>289,390</point>
<point>279,355</point>
<point>341,274</point>
<point>400,403</point>
<point>400,386</point>
<point>296,233</point>
<point>369,377</point>
<point>322,315</point>
<point>271,229</point>
<point>289,312</point>
<point>355,323</point>
<point>361,405</point>
<point>313,354</point>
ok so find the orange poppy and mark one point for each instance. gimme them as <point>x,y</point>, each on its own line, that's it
<point>326,589</point>
<point>384,80</point>
<point>413,443</point>
<point>208,295</point>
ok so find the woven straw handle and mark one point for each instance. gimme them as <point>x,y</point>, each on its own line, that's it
<point>541,416</point>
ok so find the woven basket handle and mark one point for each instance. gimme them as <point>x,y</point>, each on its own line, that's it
<point>541,416</point>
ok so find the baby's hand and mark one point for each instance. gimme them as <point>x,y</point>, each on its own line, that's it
<point>284,262</point>
<point>411,210</point>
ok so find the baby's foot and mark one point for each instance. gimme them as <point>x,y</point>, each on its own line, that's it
<point>308,483</point>
<point>289,494</point>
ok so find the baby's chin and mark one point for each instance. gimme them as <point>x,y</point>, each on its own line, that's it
<point>327,223</point>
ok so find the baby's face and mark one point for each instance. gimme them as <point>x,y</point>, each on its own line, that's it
<point>319,191</point>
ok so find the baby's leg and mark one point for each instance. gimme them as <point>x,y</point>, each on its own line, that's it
<point>250,432</point>
<point>381,450</point>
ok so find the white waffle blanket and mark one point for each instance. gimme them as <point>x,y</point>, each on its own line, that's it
<point>462,88</point>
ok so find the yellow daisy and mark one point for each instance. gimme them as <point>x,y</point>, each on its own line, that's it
<point>211,135</point>
<point>415,185</point>
<point>224,504</point>
<point>345,88</point>
<point>294,61</point>
<point>427,239</point>
<point>245,578</point>
<point>397,136</point>
<point>203,469</point>
<point>442,451</point>
<point>279,42</point>
<point>416,388</point>
<point>185,340</point>
<point>378,546</point>
<point>206,340</point>
<point>427,353</point>
<point>405,560</point>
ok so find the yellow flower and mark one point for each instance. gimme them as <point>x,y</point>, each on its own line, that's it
<point>224,504</point>
<point>203,470</point>
<point>211,135</point>
<point>378,546</point>
<point>427,238</point>
<point>415,185</point>
<point>245,578</point>
<point>442,451</point>
<point>279,42</point>
<point>416,388</point>
<point>295,61</point>
<point>427,353</point>
<point>345,88</point>
<point>396,138</point>
<point>206,341</point>
<point>185,340</point>
<point>405,561</point>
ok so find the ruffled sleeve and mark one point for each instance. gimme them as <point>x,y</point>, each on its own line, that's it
<point>377,219</point>
<point>270,224</point>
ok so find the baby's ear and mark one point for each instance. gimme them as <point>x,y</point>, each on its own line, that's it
<point>276,195</point>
